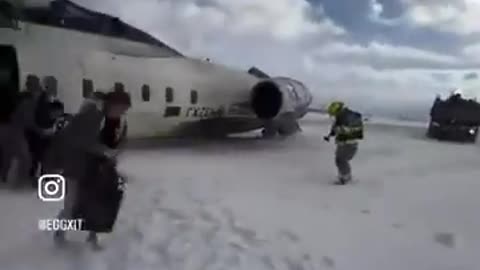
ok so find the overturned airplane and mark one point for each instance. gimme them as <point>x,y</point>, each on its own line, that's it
<point>79,51</point>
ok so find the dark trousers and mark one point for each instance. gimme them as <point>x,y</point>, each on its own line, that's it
<point>16,158</point>
<point>343,155</point>
<point>38,145</point>
<point>97,196</point>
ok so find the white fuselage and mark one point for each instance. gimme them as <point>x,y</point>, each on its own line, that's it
<point>73,56</point>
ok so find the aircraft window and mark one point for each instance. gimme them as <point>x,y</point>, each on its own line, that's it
<point>50,84</point>
<point>87,87</point>
<point>145,92</point>
<point>193,96</point>
<point>119,87</point>
<point>169,94</point>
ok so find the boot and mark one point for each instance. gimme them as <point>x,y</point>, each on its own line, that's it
<point>12,174</point>
<point>59,238</point>
<point>347,178</point>
<point>344,179</point>
<point>92,239</point>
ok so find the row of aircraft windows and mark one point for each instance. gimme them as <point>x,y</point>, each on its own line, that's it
<point>88,88</point>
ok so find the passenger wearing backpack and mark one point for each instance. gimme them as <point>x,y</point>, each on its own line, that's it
<point>348,130</point>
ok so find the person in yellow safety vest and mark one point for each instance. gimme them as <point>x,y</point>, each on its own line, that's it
<point>348,130</point>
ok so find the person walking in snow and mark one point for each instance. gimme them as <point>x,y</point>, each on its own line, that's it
<point>79,154</point>
<point>348,130</point>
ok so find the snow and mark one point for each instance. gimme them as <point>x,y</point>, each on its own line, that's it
<point>251,204</point>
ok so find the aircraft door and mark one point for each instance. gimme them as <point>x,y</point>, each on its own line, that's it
<point>9,81</point>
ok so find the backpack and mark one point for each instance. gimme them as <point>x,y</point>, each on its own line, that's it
<point>355,121</point>
<point>352,123</point>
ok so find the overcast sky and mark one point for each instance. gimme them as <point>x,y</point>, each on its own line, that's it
<point>383,52</point>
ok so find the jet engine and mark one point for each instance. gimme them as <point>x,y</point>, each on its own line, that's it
<point>272,97</point>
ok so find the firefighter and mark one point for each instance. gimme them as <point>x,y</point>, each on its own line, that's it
<point>348,130</point>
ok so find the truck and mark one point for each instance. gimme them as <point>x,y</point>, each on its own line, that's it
<point>454,119</point>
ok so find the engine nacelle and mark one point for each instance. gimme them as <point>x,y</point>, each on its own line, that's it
<point>272,97</point>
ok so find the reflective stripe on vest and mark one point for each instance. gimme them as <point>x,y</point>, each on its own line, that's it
<point>345,130</point>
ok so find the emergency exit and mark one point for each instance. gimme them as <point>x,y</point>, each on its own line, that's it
<point>9,80</point>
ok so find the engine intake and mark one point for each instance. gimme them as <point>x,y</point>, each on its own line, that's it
<point>266,99</point>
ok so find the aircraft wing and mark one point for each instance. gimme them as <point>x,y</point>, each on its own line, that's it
<point>316,110</point>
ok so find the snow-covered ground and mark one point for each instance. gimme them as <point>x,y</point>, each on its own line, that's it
<point>252,204</point>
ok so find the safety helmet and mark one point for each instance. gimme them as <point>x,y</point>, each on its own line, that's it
<point>335,107</point>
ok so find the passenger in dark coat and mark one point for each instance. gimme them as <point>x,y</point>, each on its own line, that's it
<point>14,144</point>
<point>114,131</point>
<point>49,114</point>
<point>74,148</point>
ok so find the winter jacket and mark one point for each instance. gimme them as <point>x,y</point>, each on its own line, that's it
<point>114,132</point>
<point>42,112</point>
<point>23,116</point>
<point>348,127</point>
<point>72,146</point>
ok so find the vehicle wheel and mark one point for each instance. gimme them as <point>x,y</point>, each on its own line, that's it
<point>430,131</point>
<point>428,134</point>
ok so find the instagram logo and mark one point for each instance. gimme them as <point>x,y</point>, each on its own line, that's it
<point>51,188</point>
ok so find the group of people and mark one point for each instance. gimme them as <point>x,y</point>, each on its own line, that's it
<point>84,152</point>
<point>28,131</point>
<point>39,138</point>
